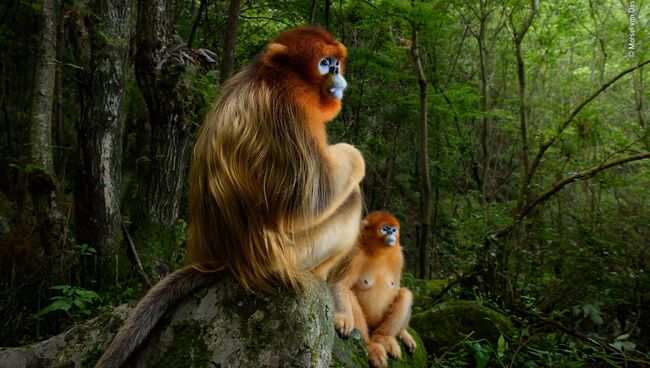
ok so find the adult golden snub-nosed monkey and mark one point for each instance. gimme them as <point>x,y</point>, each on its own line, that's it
<point>271,202</point>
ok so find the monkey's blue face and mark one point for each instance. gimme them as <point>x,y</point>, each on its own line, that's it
<point>330,66</point>
<point>390,234</point>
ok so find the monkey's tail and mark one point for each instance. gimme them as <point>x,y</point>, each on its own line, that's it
<point>151,308</point>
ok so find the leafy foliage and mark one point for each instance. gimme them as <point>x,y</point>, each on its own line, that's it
<point>75,300</point>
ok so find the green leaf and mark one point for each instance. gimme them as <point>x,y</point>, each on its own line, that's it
<point>502,346</point>
<point>623,337</point>
<point>481,355</point>
<point>623,346</point>
<point>593,312</point>
<point>63,305</point>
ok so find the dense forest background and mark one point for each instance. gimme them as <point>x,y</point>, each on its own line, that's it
<point>510,138</point>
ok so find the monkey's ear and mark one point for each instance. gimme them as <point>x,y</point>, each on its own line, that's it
<point>274,51</point>
<point>365,224</point>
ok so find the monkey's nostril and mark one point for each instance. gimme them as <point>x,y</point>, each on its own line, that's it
<point>334,70</point>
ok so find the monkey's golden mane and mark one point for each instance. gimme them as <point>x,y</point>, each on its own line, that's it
<point>260,171</point>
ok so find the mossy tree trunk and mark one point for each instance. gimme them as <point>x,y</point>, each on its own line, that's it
<point>42,102</point>
<point>42,183</point>
<point>165,69</point>
<point>101,49</point>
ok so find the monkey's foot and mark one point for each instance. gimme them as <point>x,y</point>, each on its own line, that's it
<point>377,355</point>
<point>408,340</point>
<point>343,324</point>
<point>390,345</point>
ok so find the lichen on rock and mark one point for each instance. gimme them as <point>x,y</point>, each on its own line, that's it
<point>221,325</point>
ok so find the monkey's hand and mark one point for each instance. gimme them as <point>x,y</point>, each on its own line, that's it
<point>344,324</point>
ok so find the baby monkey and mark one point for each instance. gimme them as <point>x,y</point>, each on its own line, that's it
<point>367,293</point>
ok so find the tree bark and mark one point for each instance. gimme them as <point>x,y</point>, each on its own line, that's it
<point>42,183</point>
<point>162,67</point>
<point>328,4</point>
<point>518,38</point>
<point>101,49</point>
<point>426,196</point>
<point>43,100</point>
<point>230,40</point>
<point>485,159</point>
<point>312,13</point>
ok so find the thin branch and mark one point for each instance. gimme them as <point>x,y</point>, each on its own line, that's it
<point>134,254</point>
<point>519,36</point>
<point>456,56</point>
<point>451,284</point>
<point>202,7</point>
<point>312,13</point>
<point>643,137</point>
<point>582,175</point>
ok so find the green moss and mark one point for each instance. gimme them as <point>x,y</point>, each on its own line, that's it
<point>188,349</point>
<point>91,358</point>
<point>352,353</point>
<point>424,291</point>
<point>159,242</point>
<point>446,324</point>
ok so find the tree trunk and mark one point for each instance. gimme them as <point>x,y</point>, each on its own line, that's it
<point>162,64</point>
<point>391,160</point>
<point>328,4</point>
<point>312,13</point>
<point>485,159</point>
<point>426,196</point>
<point>518,38</point>
<point>101,48</point>
<point>639,103</point>
<point>43,101</point>
<point>230,40</point>
<point>42,183</point>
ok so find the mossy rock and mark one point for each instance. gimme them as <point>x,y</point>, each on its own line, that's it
<point>423,298</point>
<point>220,326</point>
<point>446,324</point>
<point>352,353</point>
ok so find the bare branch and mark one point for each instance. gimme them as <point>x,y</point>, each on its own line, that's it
<point>134,254</point>
<point>582,175</point>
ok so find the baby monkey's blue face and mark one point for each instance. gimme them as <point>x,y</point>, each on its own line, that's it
<point>389,232</point>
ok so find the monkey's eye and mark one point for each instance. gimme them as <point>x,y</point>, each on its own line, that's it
<point>385,230</point>
<point>324,65</point>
